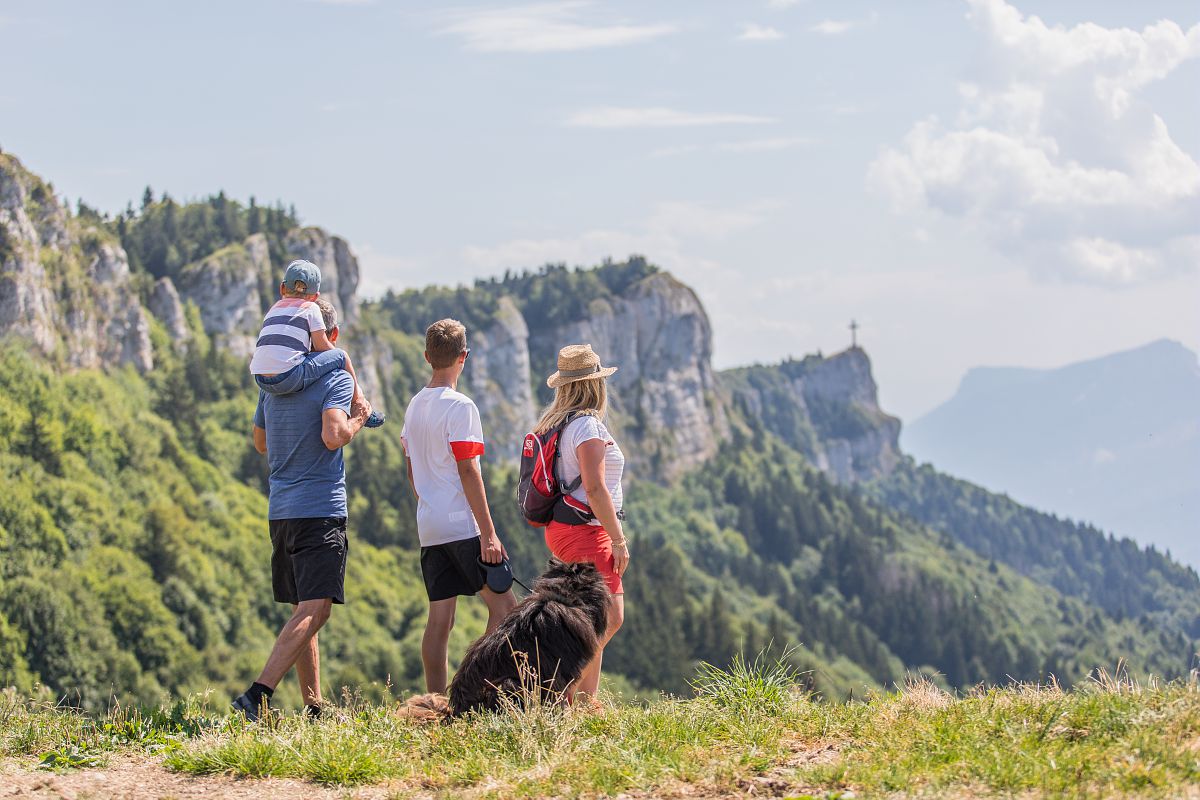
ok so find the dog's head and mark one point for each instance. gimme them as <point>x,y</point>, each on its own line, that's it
<point>579,584</point>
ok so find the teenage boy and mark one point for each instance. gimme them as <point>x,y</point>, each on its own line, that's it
<point>443,440</point>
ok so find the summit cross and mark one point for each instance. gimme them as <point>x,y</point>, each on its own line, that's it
<point>853,334</point>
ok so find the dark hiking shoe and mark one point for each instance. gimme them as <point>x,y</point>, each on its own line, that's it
<point>243,705</point>
<point>376,419</point>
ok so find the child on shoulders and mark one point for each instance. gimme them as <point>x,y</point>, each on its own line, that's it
<point>293,349</point>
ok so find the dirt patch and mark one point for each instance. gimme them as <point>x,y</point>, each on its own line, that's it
<point>777,782</point>
<point>144,778</point>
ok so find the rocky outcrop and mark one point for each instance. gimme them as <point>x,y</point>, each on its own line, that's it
<point>662,396</point>
<point>166,305</point>
<point>339,267</point>
<point>65,285</point>
<point>827,408</point>
<point>225,286</point>
<point>497,376</point>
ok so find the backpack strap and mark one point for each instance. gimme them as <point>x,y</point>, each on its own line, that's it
<point>566,488</point>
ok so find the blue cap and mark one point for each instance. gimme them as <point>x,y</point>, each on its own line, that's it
<point>303,271</point>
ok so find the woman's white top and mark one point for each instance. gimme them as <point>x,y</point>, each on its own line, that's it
<point>583,429</point>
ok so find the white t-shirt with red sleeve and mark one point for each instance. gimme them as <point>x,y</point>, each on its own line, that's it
<point>441,428</point>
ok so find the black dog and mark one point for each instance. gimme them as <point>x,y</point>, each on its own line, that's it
<point>535,653</point>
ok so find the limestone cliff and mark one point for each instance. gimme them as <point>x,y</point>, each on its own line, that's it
<point>339,267</point>
<point>827,408</point>
<point>498,377</point>
<point>65,284</point>
<point>662,397</point>
<point>226,286</point>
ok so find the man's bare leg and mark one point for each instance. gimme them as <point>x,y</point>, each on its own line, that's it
<point>297,636</point>
<point>435,643</point>
<point>308,670</point>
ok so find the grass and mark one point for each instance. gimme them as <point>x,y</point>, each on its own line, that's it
<point>1108,738</point>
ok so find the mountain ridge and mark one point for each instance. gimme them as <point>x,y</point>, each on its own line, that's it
<point>1114,440</point>
<point>772,532</point>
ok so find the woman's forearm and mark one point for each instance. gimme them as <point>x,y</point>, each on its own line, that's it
<point>604,509</point>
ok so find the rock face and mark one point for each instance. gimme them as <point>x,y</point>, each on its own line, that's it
<point>663,395</point>
<point>225,286</point>
<point>339,267</point>
<point>828,408</point>
<point>166,305</point>
<point>64,284</point>
<point>497,376</point>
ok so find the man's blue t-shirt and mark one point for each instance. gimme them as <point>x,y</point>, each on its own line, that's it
<point>307,478</point>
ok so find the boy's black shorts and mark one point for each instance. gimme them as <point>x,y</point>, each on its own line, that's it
<point>452,569</point>
<point>308,559</point>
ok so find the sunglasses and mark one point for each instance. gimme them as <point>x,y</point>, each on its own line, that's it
<point>466,353</point>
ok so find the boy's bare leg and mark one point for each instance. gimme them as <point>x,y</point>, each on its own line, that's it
<point>498,606</point>
<point>358,392</point>
<point>436,642</point>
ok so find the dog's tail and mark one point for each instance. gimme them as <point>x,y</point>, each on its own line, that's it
<point>425,708</point>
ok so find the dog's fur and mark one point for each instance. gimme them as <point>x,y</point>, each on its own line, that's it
<point>536,652</point>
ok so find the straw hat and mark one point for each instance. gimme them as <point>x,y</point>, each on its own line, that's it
<point>577,362</point>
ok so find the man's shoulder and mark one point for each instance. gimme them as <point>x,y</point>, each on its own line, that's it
<point>338,381</point>
<point>456,398</point>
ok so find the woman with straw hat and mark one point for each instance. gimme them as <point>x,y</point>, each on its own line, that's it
<point>587,520</point>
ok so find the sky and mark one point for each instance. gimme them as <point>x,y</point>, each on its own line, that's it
<point>975,182</point>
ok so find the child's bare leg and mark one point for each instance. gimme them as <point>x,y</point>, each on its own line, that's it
<point>358,392</point>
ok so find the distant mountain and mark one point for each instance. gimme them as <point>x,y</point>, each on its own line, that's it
<point>1114,441</point>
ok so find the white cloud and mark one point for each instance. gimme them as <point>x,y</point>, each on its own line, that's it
<point>836,27</point>
<point>623,117</point>
<point>758,33</point>
<point>663,236</point>
<point>832,27</point>
<point>1053,157</point>
<point>545,28</point>
<point>740,146</point>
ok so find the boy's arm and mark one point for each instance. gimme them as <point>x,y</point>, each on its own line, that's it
<point>411,482</point>
<point>490,548</point>
<point>320,341</point>
<point>259,433</point>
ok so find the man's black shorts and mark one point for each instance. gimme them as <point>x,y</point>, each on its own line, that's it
<point>452,569</point>
<point>308,559</point>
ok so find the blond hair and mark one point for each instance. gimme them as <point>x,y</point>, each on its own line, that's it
<point>588,396</point>
<point>445,340</point>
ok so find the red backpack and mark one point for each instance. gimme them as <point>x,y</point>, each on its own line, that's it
<point>539,488</point>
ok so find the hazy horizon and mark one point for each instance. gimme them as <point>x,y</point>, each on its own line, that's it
<point>977,183</point>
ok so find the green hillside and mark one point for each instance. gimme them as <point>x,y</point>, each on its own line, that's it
<point>134,548</point>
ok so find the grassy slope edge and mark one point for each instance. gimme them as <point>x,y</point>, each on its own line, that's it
<point>749,729</point>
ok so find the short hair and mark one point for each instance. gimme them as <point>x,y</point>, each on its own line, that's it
<point>328,313</point>
<point>445,340</point>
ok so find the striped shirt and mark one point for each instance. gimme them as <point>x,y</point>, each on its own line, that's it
<point>583,429</point>
<point>286,336</point>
